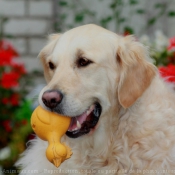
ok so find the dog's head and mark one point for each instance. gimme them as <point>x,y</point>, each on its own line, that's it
<point>89,70</point>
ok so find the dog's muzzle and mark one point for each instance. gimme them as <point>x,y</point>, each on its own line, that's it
<point>83,123</point>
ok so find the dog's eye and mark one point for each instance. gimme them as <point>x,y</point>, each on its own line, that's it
<point>82,62</point>
<point>51,65</point>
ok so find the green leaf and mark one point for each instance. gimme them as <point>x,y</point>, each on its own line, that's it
<point>121,20</point>
<point>104,21</point>
<point>79,17</point>
<point>63,16</point>
<point>151,21</point>
<point>140,11</point>
<point>63,3</point>
<point>113,5</point>
<point>107,19</point>
<point>8,36</point>
<point>119,2</point>
<point>88,12</point>
<point>24,111</point>
<point>158,5</point>
<point>171,14</point>
<point>116,3</point>
<point>128,29</point>
<point>133,2</point>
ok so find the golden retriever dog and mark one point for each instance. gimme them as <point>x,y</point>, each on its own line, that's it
<point>123,113</point>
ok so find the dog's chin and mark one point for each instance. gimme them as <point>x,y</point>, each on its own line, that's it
<point>84,123</point>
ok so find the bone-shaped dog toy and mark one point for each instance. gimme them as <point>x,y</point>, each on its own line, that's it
<point>51,127</point>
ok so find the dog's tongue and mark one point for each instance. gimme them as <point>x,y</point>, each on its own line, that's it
<point>76,122</point>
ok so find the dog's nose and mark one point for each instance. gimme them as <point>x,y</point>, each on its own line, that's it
<point>52,98</point>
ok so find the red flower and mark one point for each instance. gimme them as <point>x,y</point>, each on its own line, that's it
<point>126,33</point>
<point>171,48</point>
<point>6,46</point>
<point>7,125</point>
<point>171,44</point>
<point>10,80</point>
<point>168,72</point>
<point>7,52</point>
<point>5,58</point>
<point>18,67</point>
<point>5,101</point>
<point>14,100</point>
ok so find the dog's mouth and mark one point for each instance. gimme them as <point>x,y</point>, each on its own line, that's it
<point>84,123</point>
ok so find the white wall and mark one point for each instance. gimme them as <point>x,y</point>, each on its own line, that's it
<point>134,20</point>
<point>30,21</point>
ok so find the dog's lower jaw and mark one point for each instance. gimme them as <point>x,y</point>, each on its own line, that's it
<point>89,122</point>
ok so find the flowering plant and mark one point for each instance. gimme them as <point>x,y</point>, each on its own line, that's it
<point>162,50</point>
<point>14,109</point>
<point>11,73</point>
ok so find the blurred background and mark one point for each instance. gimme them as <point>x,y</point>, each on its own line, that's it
<point>24,27</point>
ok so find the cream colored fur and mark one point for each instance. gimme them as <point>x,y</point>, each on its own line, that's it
<point>136,130</point>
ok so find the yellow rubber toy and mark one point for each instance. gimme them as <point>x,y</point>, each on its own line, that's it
<point>51,127</point>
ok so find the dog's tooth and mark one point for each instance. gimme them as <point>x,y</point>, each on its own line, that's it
<point>75,129</point>
<point>78,124</point>
<point>88,112</point>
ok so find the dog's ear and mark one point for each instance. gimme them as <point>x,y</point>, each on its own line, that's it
<point>46,52</point>
<point>136,73</point>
